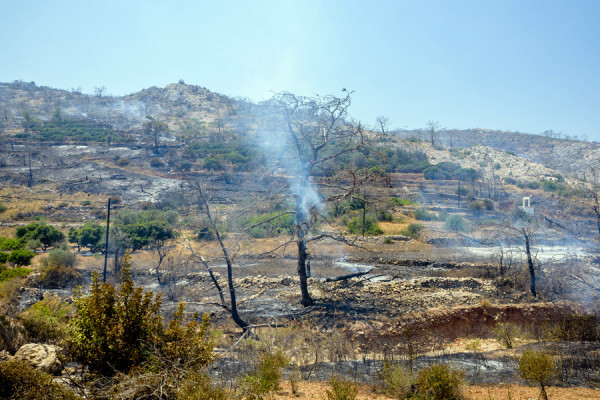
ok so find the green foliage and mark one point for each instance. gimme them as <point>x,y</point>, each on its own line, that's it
<point>421,214</point>
<point>45,321</point>
<point>188,342</point>
<point>383,215</point>
<point>397,380</point>
<point>456,223</point>
<point>341,388</point>
<point>20,257</point>
<point>14,273</point>
<point>269,225</point>
<point>2,208</point>
<point>403,202</point>
<point>198,386</point>
<point>443,170</point>
<point>20,380</point>
<point>61,256</point>
<point>113,327</point>
<point>89,235</point>
<point>120,329</point>
<point>371,228</point>
<point>538,367</point>
<point>206,234</point>
<point>413,230</point>
<point>510,181</point>
<point>440,382</point>
<point>76,130</point>
<point>3,259</point>
<point>265,379</point>
<point>46,234</point>
<point>219,156</point>
<point>147,228</point>
<point>10,244</point>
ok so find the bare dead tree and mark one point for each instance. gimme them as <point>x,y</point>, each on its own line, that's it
<point>186,243</point>
<point>203,199</point>
<point>383,123</point>
<point>432,128</point>
<point>524,227</point>
<point>318,134</point>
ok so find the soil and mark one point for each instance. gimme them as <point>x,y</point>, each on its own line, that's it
<point>317,390</point>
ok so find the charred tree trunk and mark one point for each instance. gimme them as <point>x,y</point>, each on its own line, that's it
<point>530,263</point>
<point>302,226</point>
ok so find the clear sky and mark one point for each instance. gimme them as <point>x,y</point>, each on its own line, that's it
<point>521,65</point>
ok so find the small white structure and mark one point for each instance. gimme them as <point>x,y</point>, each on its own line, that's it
<point>527,206</point>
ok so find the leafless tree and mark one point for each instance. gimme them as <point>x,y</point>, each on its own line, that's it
<point>99,91</point>
<point>432,128</point>
<point>203,200</point>
<point>318,134</point>
<point>524,227</point>
<point>383,123</point>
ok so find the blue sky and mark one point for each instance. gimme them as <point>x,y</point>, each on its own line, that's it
<point>514,65</point>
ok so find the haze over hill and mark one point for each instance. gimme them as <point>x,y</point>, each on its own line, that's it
<point>188,107</point>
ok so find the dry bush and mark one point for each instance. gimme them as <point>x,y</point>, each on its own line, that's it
<point>507,334</point>
<point>397,380</point>
<point>538,367</point>
<point>12,334</point>
<point>341,389</point>
<point>20,380</point>
<point>440,382</point>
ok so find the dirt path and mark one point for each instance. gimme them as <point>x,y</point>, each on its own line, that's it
<point>317,390</point>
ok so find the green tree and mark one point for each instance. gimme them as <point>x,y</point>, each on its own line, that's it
<point>154,128</point>
<point>46,234</point>
<point>90,235</point>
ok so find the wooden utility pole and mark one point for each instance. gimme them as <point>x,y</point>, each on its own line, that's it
<point>106,244</point>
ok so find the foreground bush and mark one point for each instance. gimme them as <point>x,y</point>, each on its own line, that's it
<point>46,320</point>
<point>440,382</point>
<point>538,367</point>
<point>341,389</point>
<point>397,380</point>
<point>119,330</point>
<point>20,380</point>
<point>265,378</point>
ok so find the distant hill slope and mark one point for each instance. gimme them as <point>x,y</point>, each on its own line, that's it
<point>190,108</point>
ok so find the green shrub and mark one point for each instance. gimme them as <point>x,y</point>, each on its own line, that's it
<point>456,223</point>
<point>2,208</point>
<point>14,273</point>
<point>113,327</point>
<point>120,329</point>
<point>10,244</point>
<point>383,215</point>
<point>20,257</point>
<point>421,214</point>
<point>20,380</point>
<point>46,234</point>
<point>265,379</point>
<point>538,367</point>
<point>510,181</point>
<point>45,321</point>
<point>413,230</point>
<point>3,259</point>
<point>122,161</point>
<point>397,380</point>
<point>156,162</point>
<point>86,203</point>
<point>371,228</point>
<point>198,386</point>
<point>61,256</point>
<point>341,388</point>
<point>403,202</point>
<point>440,382</point>
<point>388,240</point>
